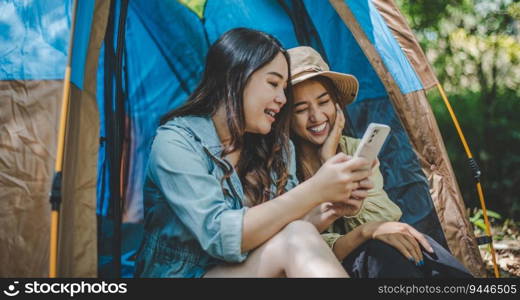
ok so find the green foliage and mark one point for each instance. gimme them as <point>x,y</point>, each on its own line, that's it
<point>474,47</point>
<point>478,218</point>
<point>514,10</point>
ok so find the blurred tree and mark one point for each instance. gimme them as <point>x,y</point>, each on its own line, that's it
<point>474,46</point>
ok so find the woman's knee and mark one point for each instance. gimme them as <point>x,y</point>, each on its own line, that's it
<point>299,226</point>
<point>295,236</point>
<point>301,234</point>
<point>299,229</point>
<point>289,235</point>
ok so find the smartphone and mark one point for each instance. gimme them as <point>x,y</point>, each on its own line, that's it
<point>372,141</point>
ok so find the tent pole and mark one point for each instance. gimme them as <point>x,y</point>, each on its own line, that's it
<point>55,197</point>
<point>477,174</point>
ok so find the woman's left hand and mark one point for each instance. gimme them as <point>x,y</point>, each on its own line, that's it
<point>330,147</point>
<point>401,236</point>
<point>323,215</point>
<point>355,202</point>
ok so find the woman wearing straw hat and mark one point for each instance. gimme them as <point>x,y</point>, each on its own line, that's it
<point>363,232</point>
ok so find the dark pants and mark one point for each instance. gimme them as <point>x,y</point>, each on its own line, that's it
<point>376,259</point>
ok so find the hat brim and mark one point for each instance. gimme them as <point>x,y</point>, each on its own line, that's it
<point>347,85</point>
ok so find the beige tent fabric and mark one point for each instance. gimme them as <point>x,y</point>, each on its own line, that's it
<point>406,39</point>
<point>28,128</point>
<point>427,141</point>
<point>419,122</point>
<point>77,255</point>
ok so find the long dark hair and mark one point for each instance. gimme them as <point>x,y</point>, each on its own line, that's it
<point>230,62</point>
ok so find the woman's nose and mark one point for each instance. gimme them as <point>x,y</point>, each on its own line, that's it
<point>315,115</point>
<point>280,99</point>
<point>312,116</point>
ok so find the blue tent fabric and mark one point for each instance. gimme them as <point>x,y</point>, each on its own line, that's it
<point>268,16</point>
<point>34,38</point>
<point>81,39</point>
<point>163,65</point>
<point>164,56</point>
<point>380,36</point>
<point>344,54</point>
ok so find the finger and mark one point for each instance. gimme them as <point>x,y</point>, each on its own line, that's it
<point>376,163</point>
<point>335,135</point>
<point>358,163</point>
<point>336,120</point>
<point>338,123</point>
<point>395,242</point>
<point>337,207</point>
<point>416,247</point>
<point>340,116</point>
<point>420,238</point>
<point>402,238</point>
<point>354,201</point>
<point>326,206</point>
<point>359,194</point>
<point>329,214</point>
<point>358,175</point>
<point>366,184</point>
<point>338,158</point>
<point>337,128</point>
<point>355,175</point>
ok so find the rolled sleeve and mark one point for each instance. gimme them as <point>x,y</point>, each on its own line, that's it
<point>331,238</point>
<point>181,172</point>
<point>232,239</point>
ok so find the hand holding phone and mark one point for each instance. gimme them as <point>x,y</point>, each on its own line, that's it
<point>372,141</point>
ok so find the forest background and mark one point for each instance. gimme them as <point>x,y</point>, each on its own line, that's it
<point>474,47</point>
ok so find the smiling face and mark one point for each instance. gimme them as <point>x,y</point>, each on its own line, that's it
<point>264,95</point>
<point>314,111</point>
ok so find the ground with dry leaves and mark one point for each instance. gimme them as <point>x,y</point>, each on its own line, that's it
<point>506,241</point>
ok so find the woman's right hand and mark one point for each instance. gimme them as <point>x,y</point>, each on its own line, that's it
<point>339,176</point>
<point>330,146</point>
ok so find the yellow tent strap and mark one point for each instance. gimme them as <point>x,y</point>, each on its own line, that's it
<point>477,176</point>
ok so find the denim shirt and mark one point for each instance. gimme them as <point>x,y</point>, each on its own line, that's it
<point>193,219</point>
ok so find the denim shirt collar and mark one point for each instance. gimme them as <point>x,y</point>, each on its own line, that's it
<point>203,130</point>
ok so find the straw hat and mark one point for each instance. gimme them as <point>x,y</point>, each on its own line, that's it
<point>307,63</point>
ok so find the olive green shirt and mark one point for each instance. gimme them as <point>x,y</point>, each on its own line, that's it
<point>376,207</point>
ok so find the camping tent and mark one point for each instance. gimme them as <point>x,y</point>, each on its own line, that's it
<point>134,60</point>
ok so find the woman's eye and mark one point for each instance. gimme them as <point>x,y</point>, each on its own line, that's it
<point>324,102</point>
<point>299,111</point>
<point>274,84</point>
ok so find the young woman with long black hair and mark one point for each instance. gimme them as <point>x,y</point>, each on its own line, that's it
<point>221,194</point>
